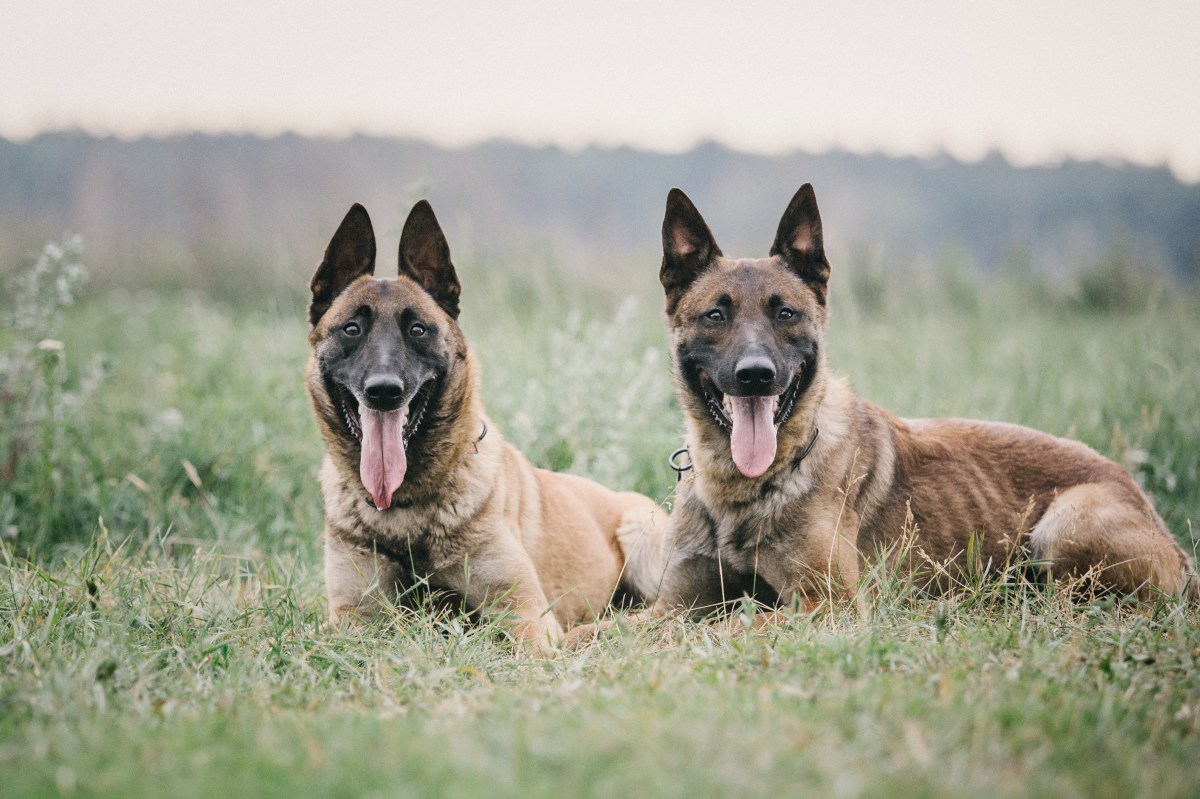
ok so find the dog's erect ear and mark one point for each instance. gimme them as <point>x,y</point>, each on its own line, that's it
<point>688,247</point>
<point>799,241</point>
<point>350,254</point>
<point>425,257</point>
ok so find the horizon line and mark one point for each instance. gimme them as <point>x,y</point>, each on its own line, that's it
<point>936,153</point>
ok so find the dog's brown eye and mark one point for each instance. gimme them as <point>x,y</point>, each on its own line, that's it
<point>786,313</point>
<point>416,330</point>
<point>715,315</point>
<point>352,329</point>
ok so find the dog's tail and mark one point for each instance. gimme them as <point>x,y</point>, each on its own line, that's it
<point>642,535</point>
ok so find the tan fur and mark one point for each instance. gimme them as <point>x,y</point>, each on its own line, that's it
<point>921,492</point>
<point>472,516</point>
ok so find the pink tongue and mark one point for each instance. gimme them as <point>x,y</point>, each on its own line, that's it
<point>753,437</point>
<point>383,462</point>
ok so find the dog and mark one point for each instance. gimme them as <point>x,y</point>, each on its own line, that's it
<point>798,483</point>
<point>419,486</point>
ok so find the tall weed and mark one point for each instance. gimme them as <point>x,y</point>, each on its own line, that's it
<point>598,402</point>
<point>45,464</point>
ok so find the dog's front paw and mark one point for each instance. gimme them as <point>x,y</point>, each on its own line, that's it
<point>346,616</point>
<point>583,634</point>
<point>536,637</point>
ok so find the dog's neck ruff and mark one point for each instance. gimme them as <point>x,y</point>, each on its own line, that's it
<point>680,468</point>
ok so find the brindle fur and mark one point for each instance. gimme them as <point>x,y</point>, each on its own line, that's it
<point>872,483</point>
<point>472,516</point>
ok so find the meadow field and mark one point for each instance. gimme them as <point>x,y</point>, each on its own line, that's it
<point>162,611</point>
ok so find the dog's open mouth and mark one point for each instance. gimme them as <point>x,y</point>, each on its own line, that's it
<point>383,437</point>
<point>348,405</point>
<point>721,405</point>
<point>752,422</point>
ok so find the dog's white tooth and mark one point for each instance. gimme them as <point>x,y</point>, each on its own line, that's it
<point>728,403</point>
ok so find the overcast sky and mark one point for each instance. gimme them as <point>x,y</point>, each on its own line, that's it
<point>1039,80</point>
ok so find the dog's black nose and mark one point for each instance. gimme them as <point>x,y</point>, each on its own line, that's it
<point>755,371</point>
<point>383,392</point>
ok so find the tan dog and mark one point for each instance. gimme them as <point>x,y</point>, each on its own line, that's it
<point>798,482</point>
<point>419,485</point>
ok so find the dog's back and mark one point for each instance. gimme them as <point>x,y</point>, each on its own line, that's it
<point>1015,493</point>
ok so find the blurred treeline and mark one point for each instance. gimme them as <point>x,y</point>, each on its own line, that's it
<point>243,218</point>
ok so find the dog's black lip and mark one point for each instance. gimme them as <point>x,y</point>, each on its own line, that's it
<point>416,409</point>
<point>348,405</point>
<point>714,399</point>
<point>787,401</point>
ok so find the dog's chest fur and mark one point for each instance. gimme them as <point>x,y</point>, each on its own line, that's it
<point>797,509</point>
<point>431,533</point>
<point>736,530</point>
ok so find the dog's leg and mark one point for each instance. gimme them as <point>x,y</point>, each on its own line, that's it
<point>501,577</point>
<point>1106,533</point>
<point>538,630</point>
<point>825,570</point>
<point>641,535</point>
<point>356,581</point>
<point>690,584</point>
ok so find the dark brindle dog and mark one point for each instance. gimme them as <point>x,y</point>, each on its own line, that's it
<point>419,485</point>
<point>798,481</point>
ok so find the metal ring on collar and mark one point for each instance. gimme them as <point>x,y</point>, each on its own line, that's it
<point>674,463</point>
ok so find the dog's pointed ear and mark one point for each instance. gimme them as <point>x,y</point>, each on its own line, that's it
<point>688,247</point>
<point>425,257</point>
<point>800,243</point>
<point>350,254</point>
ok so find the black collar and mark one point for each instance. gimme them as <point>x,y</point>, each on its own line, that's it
<point>804,453</point>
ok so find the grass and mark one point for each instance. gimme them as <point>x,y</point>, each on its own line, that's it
<point>126,675</point>
<point>161,607</point>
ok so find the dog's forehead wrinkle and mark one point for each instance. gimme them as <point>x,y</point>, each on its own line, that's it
<point>398,298</point>
<point>740,284</point>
